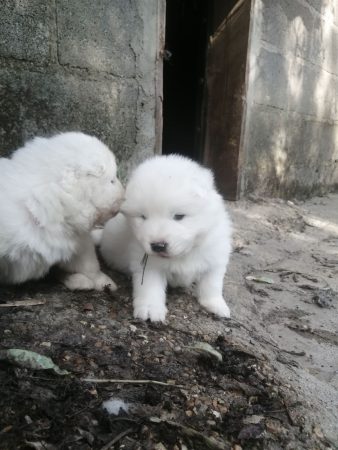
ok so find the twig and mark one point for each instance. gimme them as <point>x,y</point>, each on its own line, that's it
<point>6,429</point>
<point>288,413</point>
<point>107,380</point>
<point>22,303</point>
<point>144,262</point>
<point>117,438</point>
<point>210,443</point>
<point>293,352</point>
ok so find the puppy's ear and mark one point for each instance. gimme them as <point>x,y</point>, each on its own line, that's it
<point>69,178</point>
<point>43,205</point>
<point>72,174</point>
<point>204,184</point>
<point>200,192</point>
<point>94,171</point>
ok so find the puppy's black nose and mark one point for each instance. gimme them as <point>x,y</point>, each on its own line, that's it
<point>159,247</point>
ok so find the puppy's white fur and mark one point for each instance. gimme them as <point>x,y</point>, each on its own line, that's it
<point>52,192</point>
<point>162,190</point>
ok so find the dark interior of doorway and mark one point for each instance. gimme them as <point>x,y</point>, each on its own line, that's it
<point>189,23</point>
<point>183,76</point>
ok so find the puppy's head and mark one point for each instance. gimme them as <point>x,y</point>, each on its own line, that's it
<point>170,202</point>
<point>73,180</point>
<point>93,181</point>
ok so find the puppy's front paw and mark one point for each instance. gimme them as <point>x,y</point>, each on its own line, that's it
<point>102,281</point>
<point>216,305</point>
<point>78,282</point>
<point>149,310</point>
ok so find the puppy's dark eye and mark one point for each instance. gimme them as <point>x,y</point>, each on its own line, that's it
<point>179,216</point>
<point>143,217</point>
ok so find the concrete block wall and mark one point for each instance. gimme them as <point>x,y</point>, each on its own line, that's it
<point>290,140</point>
<point>80,65</point>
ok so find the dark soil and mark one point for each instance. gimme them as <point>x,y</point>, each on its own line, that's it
<point>233,404</point>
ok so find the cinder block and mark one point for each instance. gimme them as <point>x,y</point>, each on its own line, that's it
<point>288,26</point>
<point>324,45</point>
<point>98,34</point>
<point>289,154</point>
<point>269,79</point>
<point>25,30</point>
<point>327,8</point>
<point>265,150</point>
<point>42,104</point>
<point>311,91</point>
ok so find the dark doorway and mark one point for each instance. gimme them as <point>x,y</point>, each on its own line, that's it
<point>204,84</point>
<point>183,76</point>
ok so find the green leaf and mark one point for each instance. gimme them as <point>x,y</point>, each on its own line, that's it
<point>265,280</point>
<point>30,360</point>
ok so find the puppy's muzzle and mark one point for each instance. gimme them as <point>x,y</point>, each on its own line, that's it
<point>159,247</point>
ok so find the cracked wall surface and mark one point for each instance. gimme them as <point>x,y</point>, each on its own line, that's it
<point>80,65</point>
<point>290,142</point>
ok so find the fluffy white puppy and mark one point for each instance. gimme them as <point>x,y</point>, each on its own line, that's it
<point>175,230</point>
<point>52,192</point>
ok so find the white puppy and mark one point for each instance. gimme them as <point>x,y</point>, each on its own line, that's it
<point>175,230</point>
<point>52,192</point>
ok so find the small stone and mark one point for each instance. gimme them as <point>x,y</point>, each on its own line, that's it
<point>318,432</point>
<point>190,403</point>
<point>93,392</point>
<point>88,307</point>
<point>189,413</point>
<point>159,446</point>
<point>253,419</point>
<point>223,409</point>
<point>217,414</point>
<point>212,423</point>
<point>177,349</point>
<point>145,429</point>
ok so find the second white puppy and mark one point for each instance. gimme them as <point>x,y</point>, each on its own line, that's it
<point>175,230</point>
<point>52,193</point>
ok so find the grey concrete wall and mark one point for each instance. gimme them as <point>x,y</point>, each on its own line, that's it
<point>290,141</point>
<point>80,65</point>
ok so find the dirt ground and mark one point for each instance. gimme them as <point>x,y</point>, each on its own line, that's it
<point>276,386</point>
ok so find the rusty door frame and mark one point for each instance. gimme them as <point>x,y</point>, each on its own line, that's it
<point>215,156</point>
